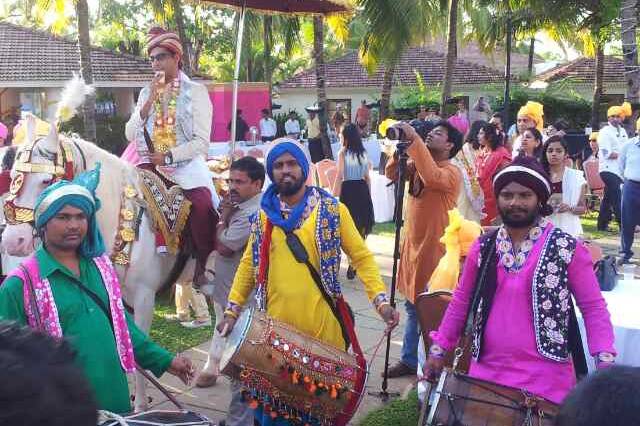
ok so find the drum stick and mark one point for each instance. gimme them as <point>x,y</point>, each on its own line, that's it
<point>425,403</point>
<point>161,388</point>
<point>223,333</point>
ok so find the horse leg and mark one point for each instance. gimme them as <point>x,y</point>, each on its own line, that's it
<point>209,374</point>
<point>143,306</point>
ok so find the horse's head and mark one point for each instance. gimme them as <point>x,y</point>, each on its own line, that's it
<point>39,162</point>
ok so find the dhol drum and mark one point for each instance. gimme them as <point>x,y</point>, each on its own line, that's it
<point>291,375</point>
<point>154,418</point>
<point>465,401</point>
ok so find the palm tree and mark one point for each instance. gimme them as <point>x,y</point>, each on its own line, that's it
<point>451,56</point>
<point>597,86</point>
<point>81,9</point>
<point>318,60</point>
<point>84,45</point>
<point>628,25</point>
<point>267,40</point>
<point>184,39</point>
<point>391,26</point>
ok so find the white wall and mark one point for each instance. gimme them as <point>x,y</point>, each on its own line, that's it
<point>124,101</point>
<point>298,99</point>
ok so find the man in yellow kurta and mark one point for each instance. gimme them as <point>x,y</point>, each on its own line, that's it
<point>433,188</point>
<point>324,227</point>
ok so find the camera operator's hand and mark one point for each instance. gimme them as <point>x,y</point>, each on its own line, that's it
<point>410,133</point>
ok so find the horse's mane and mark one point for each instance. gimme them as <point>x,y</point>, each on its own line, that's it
<point>115,174</point>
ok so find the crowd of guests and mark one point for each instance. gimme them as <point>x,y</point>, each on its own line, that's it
<point>489,147</point>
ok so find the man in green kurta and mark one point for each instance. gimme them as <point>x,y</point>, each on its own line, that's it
<point>70,258</point>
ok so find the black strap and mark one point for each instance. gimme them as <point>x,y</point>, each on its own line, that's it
<point>575,344</point>
<point>147,138</point>
<point>301,255</point>
<point>98,301</point>
<point>488,255</point>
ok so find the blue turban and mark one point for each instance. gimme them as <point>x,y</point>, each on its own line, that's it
<point>80,193</point>
<point>291,148</point>
<point>270,202</point>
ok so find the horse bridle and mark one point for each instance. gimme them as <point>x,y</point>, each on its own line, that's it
<point>62,168</point>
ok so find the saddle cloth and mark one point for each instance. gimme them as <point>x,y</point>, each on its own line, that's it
<point>167,207</point>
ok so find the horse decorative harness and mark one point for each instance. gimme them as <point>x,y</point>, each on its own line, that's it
<point>62,168</point>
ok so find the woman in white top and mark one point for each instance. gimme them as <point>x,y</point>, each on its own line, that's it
<point>352,182</point>
<point>568,187</point>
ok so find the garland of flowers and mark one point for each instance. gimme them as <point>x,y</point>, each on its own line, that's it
<point>164,129</point>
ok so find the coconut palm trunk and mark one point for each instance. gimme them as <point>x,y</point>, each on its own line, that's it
<point>267,35</point>
<point>629,13</point>
<point>387,86</point>
<point>452,55</point>
<point>84,45</point>
<point>318,57</point>
<point>532,52</point>
<point>597,87</point>
<point>184,39</point>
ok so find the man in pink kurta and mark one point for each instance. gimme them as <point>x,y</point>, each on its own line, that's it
<point>521,319</point>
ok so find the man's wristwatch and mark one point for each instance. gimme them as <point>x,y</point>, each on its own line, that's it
<point>168,158</point>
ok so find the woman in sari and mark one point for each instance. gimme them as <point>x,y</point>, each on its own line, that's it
<point>493,157</point>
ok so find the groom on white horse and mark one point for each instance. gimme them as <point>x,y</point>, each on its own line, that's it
<point>171,126</point>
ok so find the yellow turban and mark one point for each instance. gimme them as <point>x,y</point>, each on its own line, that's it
<point>623,110</point>
<point>19,132</point>
<point>458,237</point>
<point>385,124</point>
<point>535,111</point>
<point>638,125</point>
<point>593,136</point>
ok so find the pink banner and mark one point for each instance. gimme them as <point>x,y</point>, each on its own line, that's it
<point>252,98</point>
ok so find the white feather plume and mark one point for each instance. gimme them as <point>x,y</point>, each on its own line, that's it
<point>73,96</point>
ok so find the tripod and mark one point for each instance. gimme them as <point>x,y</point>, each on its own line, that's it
<point>399,199</point>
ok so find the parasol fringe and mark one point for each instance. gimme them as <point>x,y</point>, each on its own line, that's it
<point>347,5</point>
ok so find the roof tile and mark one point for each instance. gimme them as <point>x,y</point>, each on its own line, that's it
<point>347,71</point>
<point>32,55</point>
<point>584,70</point>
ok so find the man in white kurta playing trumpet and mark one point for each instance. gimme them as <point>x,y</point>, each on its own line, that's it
<point>171,126</point>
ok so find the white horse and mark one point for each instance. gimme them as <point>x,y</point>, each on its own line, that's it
<point>147,271</point>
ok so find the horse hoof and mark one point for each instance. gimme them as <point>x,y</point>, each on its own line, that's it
<point>206,380</point>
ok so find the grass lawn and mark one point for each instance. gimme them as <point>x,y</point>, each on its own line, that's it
<point>399,412</point>
<point>589,225</point>
<point>386,229</point>
<point>170,334</point>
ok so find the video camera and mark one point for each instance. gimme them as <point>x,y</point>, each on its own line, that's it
<point>421,127</point>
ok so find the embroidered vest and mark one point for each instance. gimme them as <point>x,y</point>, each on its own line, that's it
<point>328,242</point>
<point>48,312</point>
<point>550,298</point>
<point>184,115</point>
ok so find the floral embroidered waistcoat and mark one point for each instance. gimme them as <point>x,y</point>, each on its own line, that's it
<point>551,298</point>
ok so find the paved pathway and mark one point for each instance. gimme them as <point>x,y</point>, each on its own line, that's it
<point>213,402</point>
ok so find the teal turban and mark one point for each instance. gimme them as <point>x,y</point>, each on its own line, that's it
<point>79,193</point>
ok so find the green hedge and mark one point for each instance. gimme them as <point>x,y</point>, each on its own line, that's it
<point>557,105</point>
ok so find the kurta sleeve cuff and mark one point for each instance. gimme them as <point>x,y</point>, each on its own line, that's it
<point>148,354</point>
